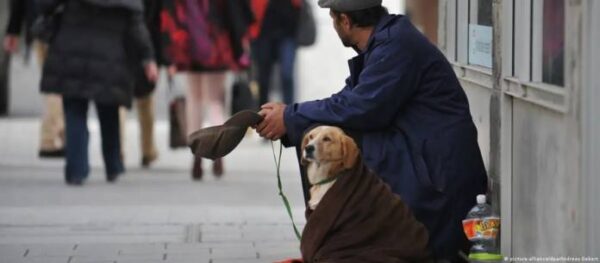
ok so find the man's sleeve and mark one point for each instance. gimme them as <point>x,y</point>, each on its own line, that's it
<point>140,37</point>
<point>386,83</point>
<point>17,15</point>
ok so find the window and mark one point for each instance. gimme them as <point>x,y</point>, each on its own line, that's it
<point>548,42</point>
<point>553,44</point>
<point>484,12</point>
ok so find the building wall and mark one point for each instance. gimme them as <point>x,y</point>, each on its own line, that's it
<point>591,128</point>
<point>538,149</point>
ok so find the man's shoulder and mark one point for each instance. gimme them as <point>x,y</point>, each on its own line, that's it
<point>398,34</point>
<point>394,27</point>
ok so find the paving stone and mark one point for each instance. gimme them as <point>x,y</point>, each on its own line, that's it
<point>47,259</point>
<point>97,250</point>
<point>149,257</point>
<point>187,248</point>
<point>241,260</point>
<point>45,250</point>
<point>270,245</point>
<point>213,237</point>
<point>139,261</point>
<point>12,251</point>
<point>142,249</point>
<point>93,259</point>
<point>205,257</point>
<point>218,228</point>
<point>235,253</point>
<point>7,259</point>
<point>238,244</point>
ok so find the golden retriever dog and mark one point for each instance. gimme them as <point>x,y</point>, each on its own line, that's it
<point>352,215</point>
<point>326,151</point>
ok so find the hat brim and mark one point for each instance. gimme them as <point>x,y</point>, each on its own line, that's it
<point>217,141</point>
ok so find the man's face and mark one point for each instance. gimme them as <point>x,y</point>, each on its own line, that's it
<point>341,24</point>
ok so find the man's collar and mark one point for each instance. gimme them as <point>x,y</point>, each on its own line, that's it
<point>383,23</point>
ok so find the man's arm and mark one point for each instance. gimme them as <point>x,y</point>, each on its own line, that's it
<point>17,15</point>
<point>15,24</point>
<point>385,85</point>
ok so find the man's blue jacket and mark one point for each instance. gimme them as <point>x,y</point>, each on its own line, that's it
<point>414,128</point>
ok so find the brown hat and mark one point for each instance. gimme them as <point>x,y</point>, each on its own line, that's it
<point>218,141</point>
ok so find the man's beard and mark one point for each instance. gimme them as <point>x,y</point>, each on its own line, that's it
<point>346,42</point>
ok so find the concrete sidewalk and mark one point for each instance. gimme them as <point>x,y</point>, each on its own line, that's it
<point>156,215</point>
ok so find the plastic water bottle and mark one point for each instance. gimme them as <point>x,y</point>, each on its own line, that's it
<point>481,227</point>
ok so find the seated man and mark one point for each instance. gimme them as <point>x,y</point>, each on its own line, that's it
<point>409,114</point>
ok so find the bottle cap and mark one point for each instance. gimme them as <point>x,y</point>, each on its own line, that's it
<point>480,199</point>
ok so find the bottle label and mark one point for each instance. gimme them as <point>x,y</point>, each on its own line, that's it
<point>481,228</point>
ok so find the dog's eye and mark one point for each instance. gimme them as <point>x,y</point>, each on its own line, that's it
<point>326,139</point>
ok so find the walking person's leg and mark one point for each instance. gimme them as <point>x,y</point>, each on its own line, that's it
<point>52,131</point>
<point>264,56</point>
<point>52,128</point>
<point>194,115</point>
<point>287,60</point>
<point>108,115</point>
<point>77,163</point>
<point>145,110</point>
<point>214,96</point>
<point>122,131</point>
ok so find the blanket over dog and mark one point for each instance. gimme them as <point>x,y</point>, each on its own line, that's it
<point>360,220</point>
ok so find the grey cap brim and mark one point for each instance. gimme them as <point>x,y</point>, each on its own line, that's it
<point>349,5</point>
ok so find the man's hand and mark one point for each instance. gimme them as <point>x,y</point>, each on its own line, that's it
<point>151,71</point>
<point>172,70</point>
<point>11,43</point>
<point>272,127</point>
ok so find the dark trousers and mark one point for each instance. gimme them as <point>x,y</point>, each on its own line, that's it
<point>78,166</point>
<point>268,52</point>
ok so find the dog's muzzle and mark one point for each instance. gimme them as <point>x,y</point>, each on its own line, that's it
<point>309,152</point>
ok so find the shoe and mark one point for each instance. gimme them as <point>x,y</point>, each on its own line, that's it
<point>75,182</point>
<point>147,160</point>
<point>112,178</point>
<point>59,153</point>
<point>197,169</point>
<point>218,167</point>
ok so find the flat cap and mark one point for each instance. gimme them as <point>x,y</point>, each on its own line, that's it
<point>349,5</point>
<point>218,141</point>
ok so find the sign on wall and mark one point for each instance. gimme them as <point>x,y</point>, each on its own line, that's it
<point>480,45</point>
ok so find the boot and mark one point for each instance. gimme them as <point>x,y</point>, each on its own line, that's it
<point>218,167</point>
<point>197,169</point>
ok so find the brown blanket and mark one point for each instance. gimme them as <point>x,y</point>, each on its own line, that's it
<point>360,220</point>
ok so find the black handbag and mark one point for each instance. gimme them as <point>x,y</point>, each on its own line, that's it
<point>46,26</point>
<point>241,94</point>
<point>307,28</point>
<point>177,121</point>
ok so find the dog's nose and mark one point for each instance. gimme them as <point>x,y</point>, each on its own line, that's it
<point>310,149</point>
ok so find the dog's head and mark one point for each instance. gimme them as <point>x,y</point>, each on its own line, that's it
<point>327,144</point>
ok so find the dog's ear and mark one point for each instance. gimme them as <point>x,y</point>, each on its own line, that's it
<point>303,161</point>
<point>349,152</point>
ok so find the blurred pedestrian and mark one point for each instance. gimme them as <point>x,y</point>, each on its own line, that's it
<point>275,43</point>
<point>52,137</point>
<point>144,89</point>
<point>89,60</point>
<point>206,39</point>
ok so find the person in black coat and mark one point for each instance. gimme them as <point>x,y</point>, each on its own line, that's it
<point>92,56</point>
